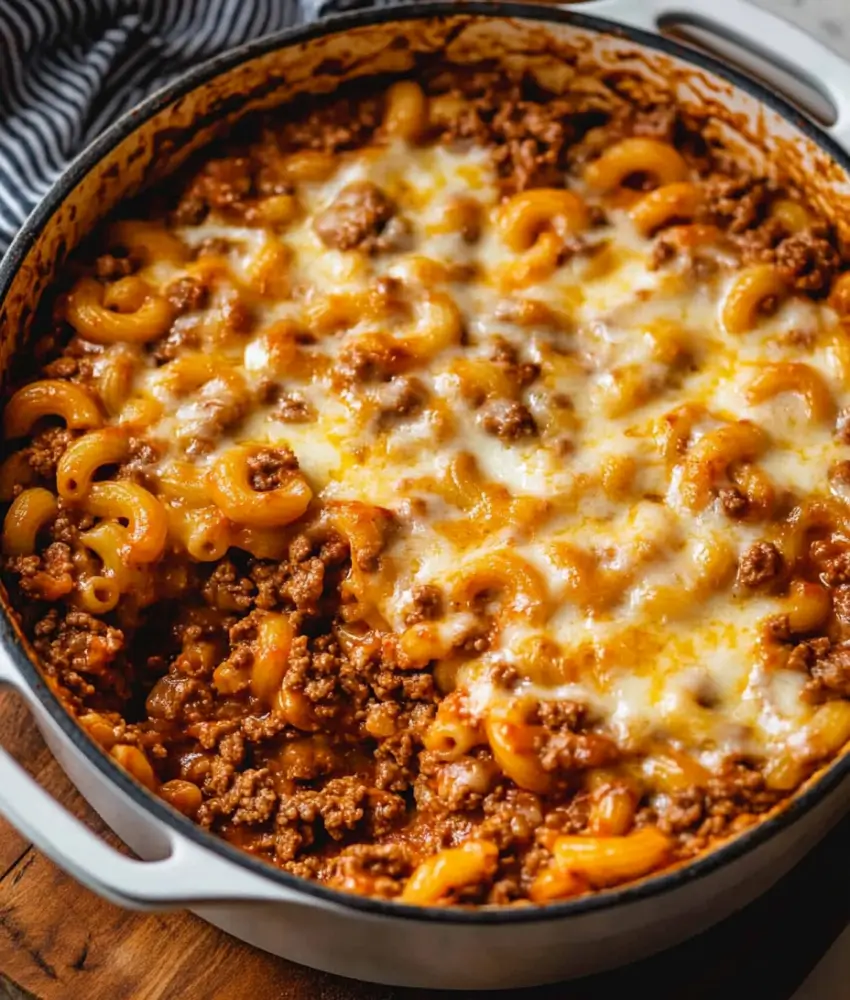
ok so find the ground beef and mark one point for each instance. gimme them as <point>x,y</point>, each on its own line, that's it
<point>758,245</point>
<point>507,420</point>
<point>828,665</point>
<point>691,258</point>
<point>734,203</point>
<point>236,313</point>
<point>301,578</point>
<point>306,584</point>
<point>808,261</point>
<point>565,741</point>
<point>270,180</point>
<point>293,408</point>
<point>46,449</point>
<point>47,576</point>
<point>336,125</point>
<point>270,468</point>
<point>684,811</point>
<point>250,798</point>
<point>528,139</point>
<point>531,141</point>
<point>187,294</point>
<point>403,396</point>
<point>395,755</point>
<point>374,869</point>
<point>109,267</point>
<point>511,817</point>
<point>777,628</point>
<point>177,697</point>
<point>214,734</point>
<point>355,218</point>
<point>506,357</point>
<point>505,676</point>
<point>760,565</point>
<point>78,641</point>
<point>85,655</point>
<point>303,671</point>
<point>569,751</point>
<point>571,816</point>
<point>73,369</point>
<point>327,544</point>
<point>426,604</point>
<point>227,589</point>
<point>142,460</point>
<point>231,755</point>
<point>377,361</point>
<point>70,521</point>
<point>258,728</point>
<point>833,562</point>
<point>223,184</point>
<point>803,656</point>
<point>841,603</point>
<point>329,678</point>
<point>561,714</point>
<point>339,807</point>
<point>733,502</point>
<point>730,801</point>
<point>832,673</point>
<point>335,681</point>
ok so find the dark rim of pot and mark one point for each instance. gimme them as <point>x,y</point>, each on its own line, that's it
<point>647,888</point>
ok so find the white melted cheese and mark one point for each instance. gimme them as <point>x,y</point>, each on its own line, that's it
<point>641,662</point>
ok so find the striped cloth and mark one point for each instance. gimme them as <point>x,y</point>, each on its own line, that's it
<point>69,68</point>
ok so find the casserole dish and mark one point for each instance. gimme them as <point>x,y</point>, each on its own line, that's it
<point>359,937</point>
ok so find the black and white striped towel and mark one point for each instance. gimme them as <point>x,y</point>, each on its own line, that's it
<point>69,68</point>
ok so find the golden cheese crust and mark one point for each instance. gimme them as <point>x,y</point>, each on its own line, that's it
<point>444,496</point>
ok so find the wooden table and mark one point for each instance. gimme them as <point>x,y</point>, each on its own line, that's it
<point>60,942</point>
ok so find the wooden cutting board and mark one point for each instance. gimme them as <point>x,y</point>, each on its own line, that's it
<point>60,942</point>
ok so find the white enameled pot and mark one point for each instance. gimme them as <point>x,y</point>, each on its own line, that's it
<point>180,865</point>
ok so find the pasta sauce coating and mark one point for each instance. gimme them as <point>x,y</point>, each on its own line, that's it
<point>446,498</point>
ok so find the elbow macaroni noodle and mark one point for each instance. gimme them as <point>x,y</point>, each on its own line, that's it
<point>661,161</point>
<point>560,504</point>
<point>50,397</point>
<point>230,488</point>
<point>147,316</point>
<point>757,289</point>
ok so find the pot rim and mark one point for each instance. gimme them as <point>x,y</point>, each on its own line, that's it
<point>817,788</point>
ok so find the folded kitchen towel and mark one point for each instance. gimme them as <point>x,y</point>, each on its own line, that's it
<point>69,68</point>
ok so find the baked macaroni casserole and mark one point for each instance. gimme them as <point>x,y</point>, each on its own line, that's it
<point>442,492</point>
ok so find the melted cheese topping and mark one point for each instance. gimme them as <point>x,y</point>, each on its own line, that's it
<point>656,638</point>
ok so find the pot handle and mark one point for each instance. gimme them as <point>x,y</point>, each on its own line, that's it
<point>766,35</point>
<point>188,875</point>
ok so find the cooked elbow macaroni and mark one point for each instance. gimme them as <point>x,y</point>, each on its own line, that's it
<point>440,531</point>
